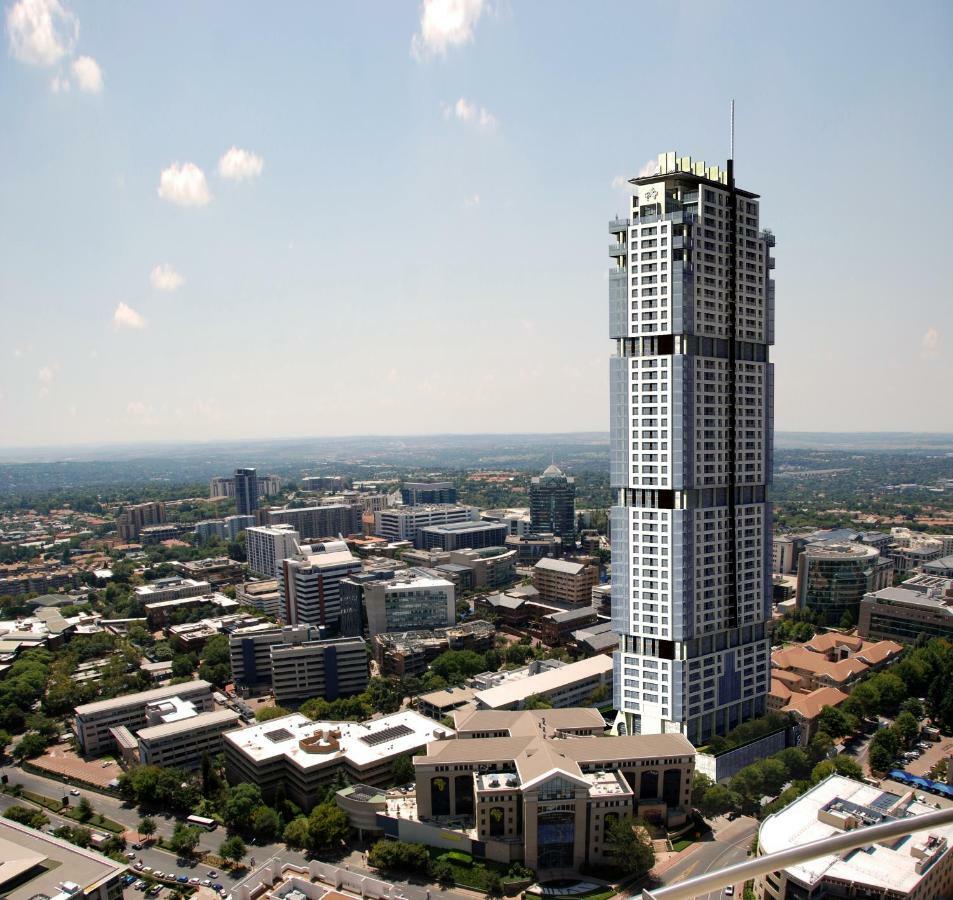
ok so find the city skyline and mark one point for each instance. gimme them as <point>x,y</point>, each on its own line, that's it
<point>215,221</point>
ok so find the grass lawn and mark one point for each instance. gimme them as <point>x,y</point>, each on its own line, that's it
<point>468,872</point>
<point>680,845</point>
<point>94,821</point>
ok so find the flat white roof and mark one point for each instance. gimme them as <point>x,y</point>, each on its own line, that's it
<point>889,865</point>
<point>544,682</point>
<point>223,717</point>
<point>143,697</point>
<point>361,743</point>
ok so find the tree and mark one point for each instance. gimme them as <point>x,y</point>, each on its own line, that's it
<point>32,818</point>
<point>536,702</point>
<point>442,872</point>
<point>216,665</point>
<point>399,855</point>
<point>4,741</point>
<point>402,769</point>
<point>266,713</point>
<point>774,773</point>
<point>328,827</point>
<point>821,747</point>
<point>297,833</point>
<point>265,824</point>
<point>147,826</point>
<point>493,884</point>
<point>233,848</point>
<point>907,728</point>
<point>795,761</point>
<point>30,745</point>
<point>182,666</point>
<point>700,785</point>
<point>883,749</point>
<point>628,841</point>
<point>913,706</point>
<point>185,838</point>
<point>242,801</point>
<point>84,810</point>
<point>834,722</point>
<point>717,801</point>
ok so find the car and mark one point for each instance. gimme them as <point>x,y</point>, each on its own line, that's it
<point>147,870</point>
<point>130,854</point>
<point>155,890</point>
<point>193,880</point>
<point>138,865</point>
<point>183,879</point>
<point>73,792</point>
<point>206,882</point>
<point>730,890</point>
<point>212,873</point>
<point>139,885</point>
<point>218,887</point>
<point>137,846</point>
<point>128,879</point>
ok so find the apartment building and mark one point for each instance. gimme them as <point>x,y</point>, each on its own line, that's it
<point>267,545</point>
<point>403,523</point>
<point>325,668</point>
<point>565,581</point>
<point>310,583</point>
<point>150,535</point>
<point>305,756</point>
<point>134,518</point>
<point>94,722</point>
<point>181,744</point>
<point>414,599</point>
<point>691,302</point>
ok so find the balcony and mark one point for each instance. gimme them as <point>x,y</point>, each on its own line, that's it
<point>770,262</point>
<point>768,237</point>
<point>682,242</point>
<point>617,225</point>
<point>618,274</point>
<point>618,249</point>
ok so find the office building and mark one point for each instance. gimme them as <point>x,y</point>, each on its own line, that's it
<point>267,545</point>
<point>150,535</point>
<point>263,596</point>
<point>462,536</point>
<point>557,628</point>
<point>94,721</point>
<point>182,743</point>
<point>329,669</point>
<point>691,446</point>
<point>423,493</point>
<point>218,571</point>
<point>922,605</point>
<point>532,547</point>
<point>314,523</point>
<point>250,650</point>
<point>310,583</point>
<point>565,581</point>
<point>209,530</point>
<point>568,685</point>
<point>546,783</point>
<point>517,520</point>
<point>235,525</point>
<point>134,518</point>
<point>410,652</point>
<point>919,864</point>
<point>223,487</point>
<point>325,483</point>
<point>246,491</point>
<point>305,757</point>
<point>35,865</point>
<point>942,567</point>
<point>833,578</point>
<point>403,523</point>
<point>552,504</point>
<point>412,600</point>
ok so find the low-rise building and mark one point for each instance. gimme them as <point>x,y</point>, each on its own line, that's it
<point>94,721</point>
<point>461,536</point>
<point>569,685</point>
<point>160,612</point>
<point>182,743</point>
<point>565,581</point>
<point>172,588</point>
<point>557,628</point>
<point>34,864</point>
<point>410,652</point>
<point>919,864</point>
<point>543,786</point>
<point>306,756</point>
<point>329,669</point>
<point>402,523</point>
<point>921,605</point>
<point>833,660</point>
<point>533,546</point>
<point>218,571</point>
<point>263,596</point>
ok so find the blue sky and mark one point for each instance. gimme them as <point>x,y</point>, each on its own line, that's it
<point>410,234</point>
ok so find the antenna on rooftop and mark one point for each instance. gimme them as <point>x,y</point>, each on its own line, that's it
<point>731,154</point>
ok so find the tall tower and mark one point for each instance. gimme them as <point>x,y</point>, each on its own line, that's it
<point>246,491</point>
<point>691,311</point>
<point>552,504</point>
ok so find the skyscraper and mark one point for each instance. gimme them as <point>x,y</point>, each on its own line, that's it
<point>246,491</point>
<point>691,309</point>
<point>552,503</point>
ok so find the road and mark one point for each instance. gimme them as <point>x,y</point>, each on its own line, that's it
<point>730,846</point>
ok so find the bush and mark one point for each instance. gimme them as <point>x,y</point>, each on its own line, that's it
<point>399,856</point>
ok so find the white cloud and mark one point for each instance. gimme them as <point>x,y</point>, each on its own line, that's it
<point>620,182</point>
<point>41,32</point>
<point>471,114</point>
<point>165,278</point>
<point>126,317</point>
<point>445,24</point>
<point>184,185</point>
<point>649,168</point>
<point>59,84</point>
<point>45,375</point>
<point>472,200</point>
<point>238,164</point>
<point>88,75</point>
<point>930,344</point>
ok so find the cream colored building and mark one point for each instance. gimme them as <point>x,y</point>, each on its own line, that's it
<point>181,744</point>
